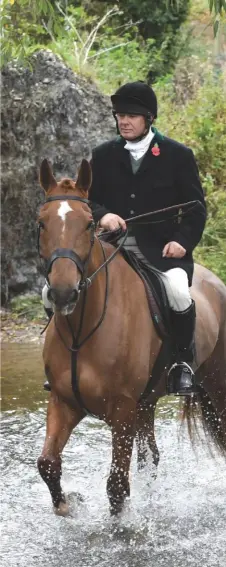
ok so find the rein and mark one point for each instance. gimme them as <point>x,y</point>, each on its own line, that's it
<point>85,282</point>
<point>76,345</point>
<point>134,220</point>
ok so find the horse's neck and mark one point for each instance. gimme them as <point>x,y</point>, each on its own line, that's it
<point>91,303</point>
<point>97,258</point>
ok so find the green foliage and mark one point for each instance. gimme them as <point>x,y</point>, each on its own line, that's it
<point>119,61</point>
<point>29,306</point>
<point>156,22</point>
<point>212,250</point>
<point>71,29</point>
<point>22,27</point>
<point>116,42</point>
<point>149,29</point>
<point>87,38</point>
<point>201,125</point>
<point>218,8</point>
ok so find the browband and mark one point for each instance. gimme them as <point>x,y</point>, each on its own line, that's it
<point>67,198</point>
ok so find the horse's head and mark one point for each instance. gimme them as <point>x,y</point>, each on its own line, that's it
<point>65,240</point>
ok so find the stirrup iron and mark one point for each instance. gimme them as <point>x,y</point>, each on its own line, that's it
<point>181,380</point>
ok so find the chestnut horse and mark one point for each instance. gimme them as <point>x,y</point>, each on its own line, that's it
<point>115,361</point>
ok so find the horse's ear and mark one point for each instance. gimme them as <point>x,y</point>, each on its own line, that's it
<point>84,176</point>
<point>47,180</point>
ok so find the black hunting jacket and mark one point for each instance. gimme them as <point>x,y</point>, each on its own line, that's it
<point>169,178</point>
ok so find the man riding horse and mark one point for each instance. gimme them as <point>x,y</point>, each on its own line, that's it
<point>139,171</point>
<point>142,171</point>
<point>101,347</point>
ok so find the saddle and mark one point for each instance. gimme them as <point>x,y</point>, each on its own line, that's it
<point>155,292</point>
<point>158,306</point>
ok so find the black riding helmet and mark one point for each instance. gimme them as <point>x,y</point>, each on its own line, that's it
<point>135,98</point>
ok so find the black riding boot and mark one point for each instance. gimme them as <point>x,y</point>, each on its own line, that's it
<point>49,313</point>
<point>181,378</point>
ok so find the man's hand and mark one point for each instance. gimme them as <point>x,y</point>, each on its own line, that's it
<point>173,250</point>
<point>112,222</point>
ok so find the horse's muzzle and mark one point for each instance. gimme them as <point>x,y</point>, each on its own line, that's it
<point>64,300</point>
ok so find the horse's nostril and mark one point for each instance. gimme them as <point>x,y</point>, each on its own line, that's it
<point>61,297</point>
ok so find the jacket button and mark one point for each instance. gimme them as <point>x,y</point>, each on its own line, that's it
<point>132,196</point>
<point>132,212</point>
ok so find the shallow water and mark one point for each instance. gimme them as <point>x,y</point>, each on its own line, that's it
<point>179,520</point>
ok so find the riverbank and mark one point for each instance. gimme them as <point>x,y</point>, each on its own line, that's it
<point>20,329</point>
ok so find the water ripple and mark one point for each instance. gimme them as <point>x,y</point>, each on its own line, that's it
<point>178,520</point>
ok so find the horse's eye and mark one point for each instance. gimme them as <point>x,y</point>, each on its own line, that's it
<point>41,224</point>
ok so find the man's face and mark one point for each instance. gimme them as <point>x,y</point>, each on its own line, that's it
<point>131,126</point>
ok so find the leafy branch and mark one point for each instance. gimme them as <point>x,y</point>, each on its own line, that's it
<point>83,47</point>
<point>217,8</point>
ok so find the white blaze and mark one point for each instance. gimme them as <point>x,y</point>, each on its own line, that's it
<point>64,208</point>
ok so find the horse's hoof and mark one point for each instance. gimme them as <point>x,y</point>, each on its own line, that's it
<point>62,509</point>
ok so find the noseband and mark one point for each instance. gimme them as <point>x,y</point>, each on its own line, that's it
<point>67,252</point>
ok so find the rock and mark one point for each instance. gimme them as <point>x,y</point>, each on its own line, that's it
<point>19,329</point>
<point>47,111</point>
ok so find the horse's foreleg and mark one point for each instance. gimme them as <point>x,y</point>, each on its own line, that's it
<point>123,431</point>
<point>145,435</point>
<point>61,420</point>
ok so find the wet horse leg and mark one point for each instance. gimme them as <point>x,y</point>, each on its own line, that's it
<point>145,436</point>
<point>214,383</point>
<point>123,431</point>
<point>61,420</point>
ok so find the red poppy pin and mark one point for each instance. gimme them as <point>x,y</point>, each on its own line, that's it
<point>155,150</point>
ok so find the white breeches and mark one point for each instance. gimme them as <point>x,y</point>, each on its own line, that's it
<point>177,289</point>
<point>175,280</point>
<point>176,284</point>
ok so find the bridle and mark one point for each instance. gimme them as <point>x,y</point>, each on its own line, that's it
<point>82,266</point>
<point>67,252</point>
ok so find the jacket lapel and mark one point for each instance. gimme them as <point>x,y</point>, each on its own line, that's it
<point>122,154</point>
<point>151,161</point>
